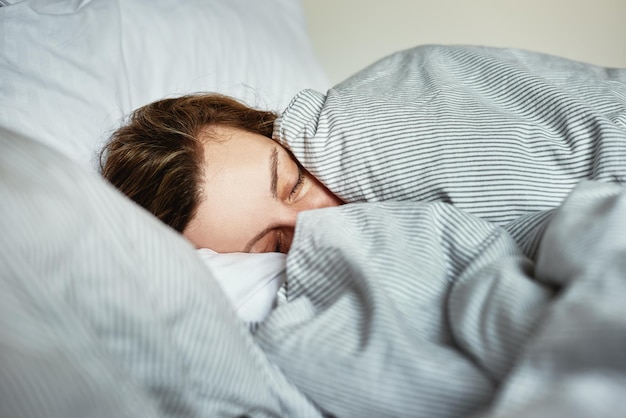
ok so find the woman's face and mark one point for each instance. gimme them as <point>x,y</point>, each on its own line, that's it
<point>251,193</point>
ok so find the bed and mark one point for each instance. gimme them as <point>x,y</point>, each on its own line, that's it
<point>439,291</point>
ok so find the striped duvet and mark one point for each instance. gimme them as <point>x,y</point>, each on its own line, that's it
<point>421,310</point>
<point>478,267</point>
<point>457,282</point>
<point>498,133</point>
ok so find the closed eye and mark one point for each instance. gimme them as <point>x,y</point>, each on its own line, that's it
<point>298,184</point>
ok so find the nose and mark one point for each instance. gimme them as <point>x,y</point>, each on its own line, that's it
<point>318,196</point>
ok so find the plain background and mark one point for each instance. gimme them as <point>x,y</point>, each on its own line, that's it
<point>350,34</point>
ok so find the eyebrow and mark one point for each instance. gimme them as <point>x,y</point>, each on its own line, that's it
<point>273,162</point>
<point>274,172</point>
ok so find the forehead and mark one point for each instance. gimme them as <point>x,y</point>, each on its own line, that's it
<point>235,189</point>
<point>230,150</point>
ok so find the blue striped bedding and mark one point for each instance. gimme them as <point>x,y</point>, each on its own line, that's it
<point>498,133</point>
<point>477,269</point>
<point>482,185</point>
<point>421,310</point>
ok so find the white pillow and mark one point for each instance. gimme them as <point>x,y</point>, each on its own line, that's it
<point>250,281</point>
<point>73,68</point>
<point>104,309</point>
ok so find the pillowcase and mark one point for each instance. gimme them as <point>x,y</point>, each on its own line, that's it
<point>74,68</point>
<point>71,71</point>
<point>101,301</point>
<point>250,281</point>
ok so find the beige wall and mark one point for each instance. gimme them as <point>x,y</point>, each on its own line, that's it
<point>350,34</point>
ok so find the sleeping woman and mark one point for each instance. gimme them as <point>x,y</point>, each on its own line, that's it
<point>440,289</point>
<point>206,166</point>
<point>497,133</point>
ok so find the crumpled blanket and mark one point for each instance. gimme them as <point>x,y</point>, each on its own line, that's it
<point>499,133</point>
<point>419,309</point>
<point>478,268</point>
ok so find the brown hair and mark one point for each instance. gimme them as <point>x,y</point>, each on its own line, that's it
<point>156,157</point>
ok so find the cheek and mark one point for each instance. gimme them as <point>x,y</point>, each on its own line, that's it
<point>226,221</point>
